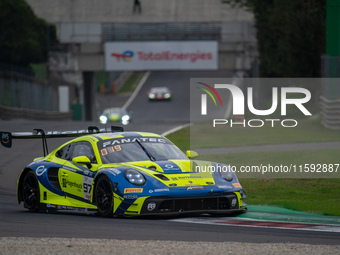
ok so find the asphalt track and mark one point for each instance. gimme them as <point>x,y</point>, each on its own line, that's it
<point>158,117</point>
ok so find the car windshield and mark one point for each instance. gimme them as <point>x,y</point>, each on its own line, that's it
<point>113,111</point>
<point>128,149</point>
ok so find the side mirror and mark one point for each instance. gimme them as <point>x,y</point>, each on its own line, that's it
<point>192,154</point>
<point>82,160</point>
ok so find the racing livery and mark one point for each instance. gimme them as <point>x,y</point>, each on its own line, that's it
<point>124,173</point>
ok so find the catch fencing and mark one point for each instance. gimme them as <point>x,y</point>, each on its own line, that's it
<point>330,92</point>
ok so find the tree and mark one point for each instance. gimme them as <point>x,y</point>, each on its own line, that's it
<point>24,38</point>
<point>290,35</point>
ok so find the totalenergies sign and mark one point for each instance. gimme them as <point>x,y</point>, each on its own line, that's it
<point>191,55</point>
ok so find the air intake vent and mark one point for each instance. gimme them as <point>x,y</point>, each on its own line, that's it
<point>162,177</point>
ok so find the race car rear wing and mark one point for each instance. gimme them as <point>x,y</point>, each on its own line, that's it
<point>6,137</point>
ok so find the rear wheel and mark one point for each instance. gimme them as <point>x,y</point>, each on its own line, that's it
<point>31,193</point>
<point>104,196</point>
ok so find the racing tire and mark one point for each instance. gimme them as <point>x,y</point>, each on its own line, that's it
<point>31,192</point>
<point>104,196</point>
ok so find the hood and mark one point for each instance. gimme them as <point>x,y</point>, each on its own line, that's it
<point>176,172</point>
<point>168,166</point>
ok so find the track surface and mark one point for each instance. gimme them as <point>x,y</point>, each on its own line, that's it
<point>156,117</point>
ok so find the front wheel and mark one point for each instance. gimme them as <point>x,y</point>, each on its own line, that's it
<point>104,196</point>
<point>31,193</point>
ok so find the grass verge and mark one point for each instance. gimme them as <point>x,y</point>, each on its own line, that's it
<point>313,195</point>
<point>132,82</point>
<point>203,135</point>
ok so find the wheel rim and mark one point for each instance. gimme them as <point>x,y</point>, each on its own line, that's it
<point>31,191</point>
<point>104,196</point>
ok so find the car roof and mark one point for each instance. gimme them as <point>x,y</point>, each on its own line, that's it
<point>160,88</point>
<point>126,134</point>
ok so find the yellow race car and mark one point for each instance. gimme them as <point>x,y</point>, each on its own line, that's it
<point>124,173</point>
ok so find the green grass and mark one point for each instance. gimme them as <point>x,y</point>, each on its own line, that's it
<point>181,138</point>
<point>321,196</point>
<point>309,194</point>
<point>284,158</point>
<point>40,70</point>
<point>203,135</point>
<point>302,192</point>
<point>132,82</point>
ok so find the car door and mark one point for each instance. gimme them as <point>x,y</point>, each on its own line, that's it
<point>77,179</point>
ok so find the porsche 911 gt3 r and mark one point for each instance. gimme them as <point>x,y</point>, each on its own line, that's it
<point>159,93</point>
<point>124,173</point>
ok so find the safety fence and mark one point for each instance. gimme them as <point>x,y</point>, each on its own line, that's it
<point>330,96</point>
<point>24,97</point>
<point>20,91</point>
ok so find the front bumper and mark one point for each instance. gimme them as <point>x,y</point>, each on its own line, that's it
<point>222,204</point>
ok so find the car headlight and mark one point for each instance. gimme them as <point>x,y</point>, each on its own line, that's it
<point>167,95</point>
<point>152,96</point>
<point>134,177</point>
<point>125,118</point>
<point>103,119</point>
<point>226,173</point>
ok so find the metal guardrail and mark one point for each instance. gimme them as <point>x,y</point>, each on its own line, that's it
<point>20,91</point>
<point>330,113</point>
<point>161,31</point>
<point>7,113</point>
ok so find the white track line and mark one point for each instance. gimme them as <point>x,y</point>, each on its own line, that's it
<point>175,129</point>
<point>139,86</point>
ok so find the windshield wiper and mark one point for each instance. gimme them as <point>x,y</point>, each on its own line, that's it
<point>152,158</point>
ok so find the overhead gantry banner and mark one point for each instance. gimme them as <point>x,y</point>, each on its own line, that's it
<point>190,55</point>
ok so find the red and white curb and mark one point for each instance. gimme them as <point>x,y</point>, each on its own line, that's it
<point>229,221</point>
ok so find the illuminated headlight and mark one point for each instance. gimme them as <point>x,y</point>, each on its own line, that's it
<point>134,177</point>
<point>167,96</point>
<point>103,119</point>
<point>152,96</point>
<point>125,119</point>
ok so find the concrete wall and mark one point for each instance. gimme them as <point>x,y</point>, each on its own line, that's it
<point>56,11</point>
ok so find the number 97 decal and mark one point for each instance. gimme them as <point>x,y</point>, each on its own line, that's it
<point>87,187</point>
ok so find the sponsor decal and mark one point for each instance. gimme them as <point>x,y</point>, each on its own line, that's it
<point>114,171</point>
<point>130,196</point>
<point>151,206</point>
<point>69,169</point>
<point>194,187</point>
<point>88,172</point>
<point>158,190</point>
<point>133,190</point>
<point>71,184</point>
<point>6,139</point>
<point>133,140</point>
<point>225,187</point>
<point>161,55</point>
<point>126,56</point>
<point>237,185</point>
<point>41,170</point>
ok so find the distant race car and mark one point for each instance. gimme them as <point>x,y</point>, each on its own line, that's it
<point>159,93</point>
<point>115,114</point>
<point>123,173</point>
